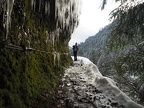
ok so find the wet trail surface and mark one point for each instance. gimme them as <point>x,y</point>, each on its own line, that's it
<point>82,88</point>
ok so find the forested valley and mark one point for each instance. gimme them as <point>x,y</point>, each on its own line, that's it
<point>117,49</point>
<point>34,52</point>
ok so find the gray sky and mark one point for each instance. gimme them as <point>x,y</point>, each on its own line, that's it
<point>92,19</point>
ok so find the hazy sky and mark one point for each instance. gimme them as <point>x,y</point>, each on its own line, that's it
<point>92,19</point>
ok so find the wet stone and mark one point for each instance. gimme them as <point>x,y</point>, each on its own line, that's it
<point>114,104</point>
<point>81,94</point>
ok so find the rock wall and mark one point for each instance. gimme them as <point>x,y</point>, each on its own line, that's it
<point>34,37</point>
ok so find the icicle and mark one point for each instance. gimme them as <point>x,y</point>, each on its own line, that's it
<point>54,54</point>
<point>58,58</point>
<point>33,3</point>
<point>47,36</point>
<point>57,31</point>
<point>28,43</point>
<point>4,9</point>
<point>1,5</point>
<point>47,8</point>
<point>52,38</point>
<point>8,19</point>
<point>40,5</point>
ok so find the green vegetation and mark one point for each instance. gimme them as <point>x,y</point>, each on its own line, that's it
<point>118,50</point>
<point>26,75</point>
<point>127,37</point>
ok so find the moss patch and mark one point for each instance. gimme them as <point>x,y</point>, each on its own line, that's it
<point>27,76</point>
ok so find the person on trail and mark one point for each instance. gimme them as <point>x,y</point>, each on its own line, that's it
<point>75,49</point>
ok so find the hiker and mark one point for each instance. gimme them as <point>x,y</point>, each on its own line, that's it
<point>75,49</point>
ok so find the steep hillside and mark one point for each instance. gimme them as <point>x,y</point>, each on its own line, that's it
<point>34,37</point>
<point>125,65</point>
<point>95,49</point>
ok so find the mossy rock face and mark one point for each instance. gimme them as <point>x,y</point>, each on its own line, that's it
<point>26,75</point>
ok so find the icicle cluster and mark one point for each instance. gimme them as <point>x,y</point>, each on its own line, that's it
<point>65,13</point>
